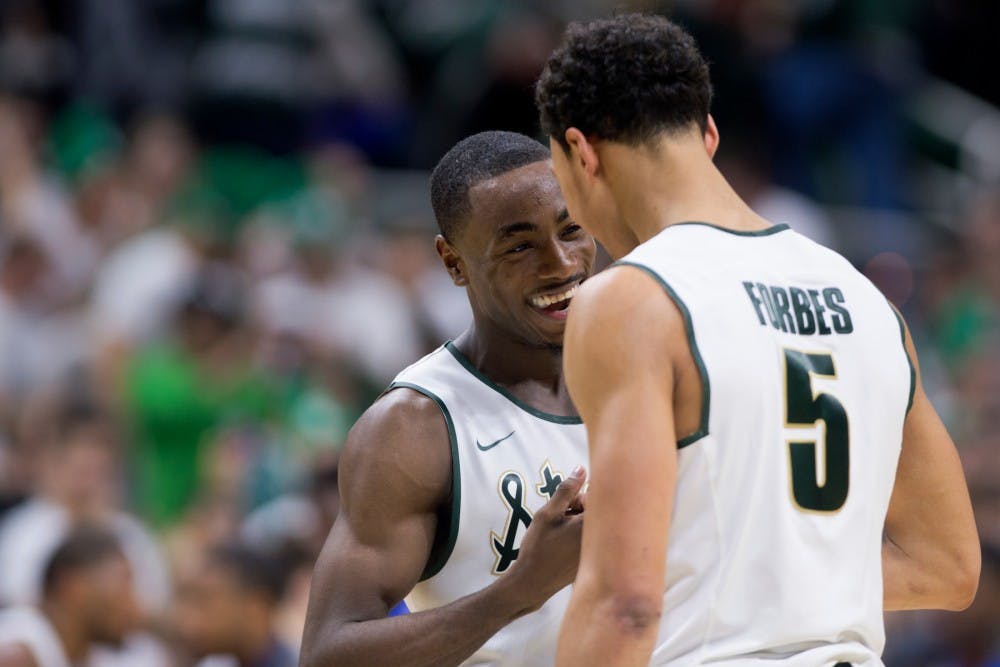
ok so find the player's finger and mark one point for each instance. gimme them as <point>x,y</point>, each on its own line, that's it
<point>568,490</point>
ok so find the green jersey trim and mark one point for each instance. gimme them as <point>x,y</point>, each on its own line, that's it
<point>773,229</point>
<point>467,363</point>
<point>706,390</point>
<point>447,530</point>
<point>909,362</point>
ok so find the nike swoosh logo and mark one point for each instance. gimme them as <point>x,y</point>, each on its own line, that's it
<point>484,448</point>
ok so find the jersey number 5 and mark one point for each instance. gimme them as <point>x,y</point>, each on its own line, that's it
<point>813,489</point>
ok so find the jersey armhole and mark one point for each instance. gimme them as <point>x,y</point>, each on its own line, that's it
<point>906,353</point>
<point>446,533</point>
<point>706,390</point>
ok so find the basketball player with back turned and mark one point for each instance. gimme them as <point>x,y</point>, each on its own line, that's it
<point>461,483</point>
<point>767,473</point>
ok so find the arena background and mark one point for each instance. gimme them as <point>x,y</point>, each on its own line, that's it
<point>217,249</point>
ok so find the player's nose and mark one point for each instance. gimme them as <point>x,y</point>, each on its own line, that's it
<point>557,261</point>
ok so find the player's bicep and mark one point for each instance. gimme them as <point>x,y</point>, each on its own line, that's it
<point>395,474</point>
<point>361,579</point>
<point>929,519</point>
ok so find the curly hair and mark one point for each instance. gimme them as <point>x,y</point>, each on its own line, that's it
<point>469,162</point>
<point>625,79</point>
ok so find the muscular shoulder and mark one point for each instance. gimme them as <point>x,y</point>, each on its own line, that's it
<point>623,310</point>
<point>398,452</point>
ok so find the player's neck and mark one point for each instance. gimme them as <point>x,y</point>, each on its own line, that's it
<point>678,183</point>
<point>510,363</point>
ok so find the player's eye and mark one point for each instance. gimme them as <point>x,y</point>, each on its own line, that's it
<point>521,247</point>
<point>571,229</point>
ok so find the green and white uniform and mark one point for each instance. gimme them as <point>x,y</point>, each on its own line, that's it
<point>775,541</point>
<point>507,460</point>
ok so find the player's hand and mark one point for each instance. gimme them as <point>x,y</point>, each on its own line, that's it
<point>550,551</point>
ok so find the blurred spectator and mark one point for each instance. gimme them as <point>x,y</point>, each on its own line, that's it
<point>35,60</point>
<point>22,274</point>
<point>39,345</point>
<point>361,96</point>
<point>356,316</point>
<point>181,390</point>
<point>87,599</point>
<point>124,193</point>
<point>212,519</point>
<point>748,170</point>
<point>253,73</point>
<point>485,78</point>
<point>293,528</point>
<point>132,54</point>
<point>79,482</point>
<point>405,256</point>
<point>34,204</point>
<point>227,608</point>
<point>403,251</point>
<point>299,521</point>
<point>964,312</point>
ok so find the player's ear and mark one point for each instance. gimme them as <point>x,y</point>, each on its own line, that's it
<point>582,152</point>
<point>711,136</point>
<point>451,259</point>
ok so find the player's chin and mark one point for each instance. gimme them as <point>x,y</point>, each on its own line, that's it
<point>549,326</point>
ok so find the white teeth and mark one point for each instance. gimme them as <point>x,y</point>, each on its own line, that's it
<point>546,301</point>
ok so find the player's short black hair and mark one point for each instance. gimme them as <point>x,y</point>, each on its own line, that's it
<point>83,547</point>
<point>624,79</point>
<point>252,570</point>
<point>472,160</point>
<point>75,414</point>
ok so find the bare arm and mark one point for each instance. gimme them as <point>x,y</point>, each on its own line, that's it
<point>396,474</point>
<point>16,655</point>
<point>621,380</point>
<point>930,548</point>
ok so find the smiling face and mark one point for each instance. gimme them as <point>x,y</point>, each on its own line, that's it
<point>111,608</point>
<point>520,255</point>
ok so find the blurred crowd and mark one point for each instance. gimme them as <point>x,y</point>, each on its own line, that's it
<point>216,250</point>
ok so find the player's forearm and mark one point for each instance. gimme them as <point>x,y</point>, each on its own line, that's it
<point>443,636</point>
<point>928,578</point>
<point>610,630</point>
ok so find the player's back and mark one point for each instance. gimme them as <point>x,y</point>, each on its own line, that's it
<point>775,542</point>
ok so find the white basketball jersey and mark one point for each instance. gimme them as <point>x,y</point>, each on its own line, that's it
<point>29,627</point>
<point>507,460</point>
<point>775,541</point>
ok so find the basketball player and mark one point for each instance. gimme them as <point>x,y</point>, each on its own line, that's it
<point>460,482</point>
<point>768,474</point>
